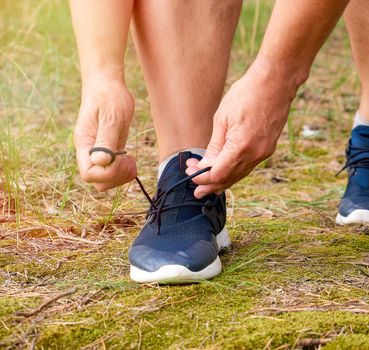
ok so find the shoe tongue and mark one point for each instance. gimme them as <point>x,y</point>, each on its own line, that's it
<point>360,139</point>
<point>174,172</point>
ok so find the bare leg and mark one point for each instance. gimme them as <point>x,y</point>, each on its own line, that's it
<point>357,22</point>
<point>184,49</point>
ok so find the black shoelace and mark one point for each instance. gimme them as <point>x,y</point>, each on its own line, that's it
<point>355,163</point>
<point>157,203</point>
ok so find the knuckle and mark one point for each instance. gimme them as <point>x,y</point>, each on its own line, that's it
<point>264,153</point>
<point>245,148</point>
<point>270,152</point>
<point>259,156</point>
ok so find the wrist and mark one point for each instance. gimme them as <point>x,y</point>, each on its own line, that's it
<point>100,89</point>
<point>281,72</point>
<point>106,74</point>
<point>102,80</point>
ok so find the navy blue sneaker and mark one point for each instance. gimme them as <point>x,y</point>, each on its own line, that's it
<point>182,236</point>
<point>354,206</point>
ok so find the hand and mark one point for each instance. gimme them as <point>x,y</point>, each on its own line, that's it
<point>105,115</point>
<point>246,129</point>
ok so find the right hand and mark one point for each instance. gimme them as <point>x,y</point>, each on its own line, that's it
<point>246,128</point>
<point>105,115</point>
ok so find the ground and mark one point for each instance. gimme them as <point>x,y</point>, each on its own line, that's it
<point>292,280</point>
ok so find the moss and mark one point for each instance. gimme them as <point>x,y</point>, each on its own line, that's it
<point>315,152</point>
<point>350,342</point>
<point>8,306</point>
<point>7,259</point>
<point>278,255</point>
<point>192,326</point>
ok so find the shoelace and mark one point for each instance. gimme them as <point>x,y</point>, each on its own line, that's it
<point>356,163</point>
<point>157,203</point>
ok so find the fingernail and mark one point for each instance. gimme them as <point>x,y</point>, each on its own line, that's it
<point>100,158</point>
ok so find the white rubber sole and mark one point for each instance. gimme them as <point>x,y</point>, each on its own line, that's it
<point>359,216</point>
<point>181,274</point>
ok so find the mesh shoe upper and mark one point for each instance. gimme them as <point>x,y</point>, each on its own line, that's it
<point>180,229</point>
<point>357,192</point>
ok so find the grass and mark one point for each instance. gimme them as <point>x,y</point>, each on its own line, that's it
<point>292,278</point>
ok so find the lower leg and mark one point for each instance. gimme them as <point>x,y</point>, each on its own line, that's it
<point>357,23</point>
<point>184,49</point>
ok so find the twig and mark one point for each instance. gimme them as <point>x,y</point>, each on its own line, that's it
<point>28,229</point>
<point>45,304</point>
<point>64,235</point>
<point>59,233</point>
<point>354,308</point>
<point>314,342</point>
<point>97,342</point>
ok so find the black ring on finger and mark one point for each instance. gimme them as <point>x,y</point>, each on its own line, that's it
<point>103,149</point>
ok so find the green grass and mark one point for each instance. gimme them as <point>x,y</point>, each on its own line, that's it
<point>291,275</point>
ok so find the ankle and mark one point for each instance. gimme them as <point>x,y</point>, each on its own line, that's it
<point>166,152</point>
<point>360,120</point>
<point>364,114</point>
<point>164,162</point>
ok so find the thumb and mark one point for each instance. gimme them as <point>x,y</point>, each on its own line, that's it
<point>215,145</point>
<point>108,137</point>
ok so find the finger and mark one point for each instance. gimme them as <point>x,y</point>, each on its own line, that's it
<point>192,162</point>
<point>121,171</point>
<point>84,140</point>
<point>215,146</point>
<point>108,134</point>
<point>101,158</point>
<point>125,167</point>
<point>84,160</point>
<point>212,151</point>
<point>204,190</point>
<point>224,166</point>
<point>199,179</point>
<point>192,169</point>
<point>239,173</point>
<point>228,160</point>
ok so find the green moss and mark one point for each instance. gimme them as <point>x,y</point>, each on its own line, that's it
<point>350,342</point>
<point>8,306</point>
<point>279,255</point>
<point>315,152</point>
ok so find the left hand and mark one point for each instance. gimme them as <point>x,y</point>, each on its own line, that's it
<point>246,129</point>
<point>105,115</point>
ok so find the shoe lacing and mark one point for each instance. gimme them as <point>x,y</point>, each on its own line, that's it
<point>157,203</point>
<point>353,162</point>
